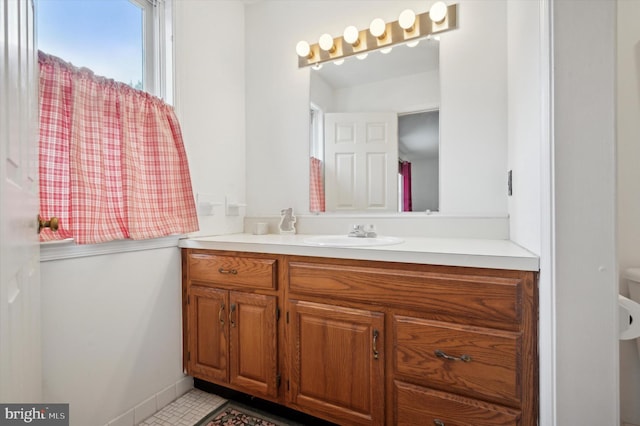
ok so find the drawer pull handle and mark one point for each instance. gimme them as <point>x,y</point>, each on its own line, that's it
<point>376,333</point>
<point>220,317</point>
<point>463,358</point>
<point>228,271</point>
<point>233,309</point>
<point>438,422</point>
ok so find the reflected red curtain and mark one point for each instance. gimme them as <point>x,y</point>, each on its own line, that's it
<point>316,186</point>
<point>404,168</point>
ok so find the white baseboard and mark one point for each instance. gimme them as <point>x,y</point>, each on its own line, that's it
<point>153,404</point>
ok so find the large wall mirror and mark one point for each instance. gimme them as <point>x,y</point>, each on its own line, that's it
<point>374,139</point>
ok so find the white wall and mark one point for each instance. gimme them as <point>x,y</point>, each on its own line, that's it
<point>525,135</point>
<point>473,114</point>
<point>409,93</point>
<point>585,276</point>
<point>210,103</point>
<point>473,117</point>
<point>529,149</point>
<point>424,189</point>
<point>628,159</point>
<point>111,328</point>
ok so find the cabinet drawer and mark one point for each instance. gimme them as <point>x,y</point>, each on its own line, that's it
<point>480,298</point>
<point>415,405</point>
<point>232,270</point>
<point>473,361</point>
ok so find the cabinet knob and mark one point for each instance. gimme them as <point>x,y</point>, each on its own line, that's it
<point>438,422</point>
<point>376,333</point>
<point>220,316</point>
<point>231,311</point>
<point>228,271</point>
<point>51,223</point>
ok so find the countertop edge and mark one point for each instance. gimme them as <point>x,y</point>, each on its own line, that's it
<point>520,260</point>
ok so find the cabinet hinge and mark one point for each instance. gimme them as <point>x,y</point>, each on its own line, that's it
<point>188,356</point>
<point>277,314</point>
<point>287,384</point>
<point>287,317</point>
<point>278,381</point>
<point>188,300</point>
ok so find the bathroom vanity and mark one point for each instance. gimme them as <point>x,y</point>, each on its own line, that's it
<point>359,336</point>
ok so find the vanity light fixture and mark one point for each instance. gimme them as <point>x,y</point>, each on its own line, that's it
<point>326,43</point>
<point>407,20</point>
<point>304,50</point>
<point>413,43</point>
<point>351,35</point>
<point>386,50</point>
<point>409,29</point>
<point>378,29</point>
<point>339,62</point>
<point>438,12</point>
<point>362,56</point>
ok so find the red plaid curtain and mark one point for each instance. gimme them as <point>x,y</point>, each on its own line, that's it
<point>112,160</point>
<point>316,186</point>
<point>404,168</point>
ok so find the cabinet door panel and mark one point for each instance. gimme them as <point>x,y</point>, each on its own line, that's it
<point>338,362</point>
<point>252,272</point>
<point>481,299</point>
<point>254,353</point>
<point>208,357</point>
<point>429,352</point>
<point>415,405</point>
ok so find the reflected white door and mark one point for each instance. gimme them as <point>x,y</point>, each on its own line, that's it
<point>20,340</point>
<point>361,162</point>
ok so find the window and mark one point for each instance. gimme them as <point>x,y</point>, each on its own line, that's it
<point>126,40</point>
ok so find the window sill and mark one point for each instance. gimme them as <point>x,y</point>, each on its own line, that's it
<point>67,249</point>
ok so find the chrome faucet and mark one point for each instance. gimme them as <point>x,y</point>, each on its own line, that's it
<point>360,231</point>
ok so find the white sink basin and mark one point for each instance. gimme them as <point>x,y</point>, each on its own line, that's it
<point>346,241</point>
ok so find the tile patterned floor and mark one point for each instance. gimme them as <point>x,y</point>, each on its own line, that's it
<point>186,410</point>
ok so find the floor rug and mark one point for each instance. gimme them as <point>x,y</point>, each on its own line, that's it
<point>232,414</point>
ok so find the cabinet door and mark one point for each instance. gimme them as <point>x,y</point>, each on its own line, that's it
<point>337,362</point>
<point>208,344</point>
<point>253,349</point>
<point>415,405</point>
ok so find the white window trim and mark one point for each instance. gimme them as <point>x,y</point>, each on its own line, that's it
<point>158,47</point>
<point>68,249</point>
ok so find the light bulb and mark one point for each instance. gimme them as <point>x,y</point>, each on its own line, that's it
<point>438,12</point>
<point>303,49</point>
<point>377,28</point>
<point>413,43</point>
<point>326,42</point>
<point>385,50</point>
<point>362,56</point>
<point>407,19</point>
<point>351,35</point>
<point>339,62</point>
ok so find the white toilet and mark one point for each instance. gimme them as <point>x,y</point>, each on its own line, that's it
<point>630,307</point>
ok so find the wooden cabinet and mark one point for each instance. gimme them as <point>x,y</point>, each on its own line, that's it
<point>460,343</point>
<point>337,362</point>
<point>231,335</point>
<point>208,347</point>
<point>366,343</point>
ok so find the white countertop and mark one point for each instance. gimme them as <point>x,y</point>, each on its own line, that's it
<point>480,253</point>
